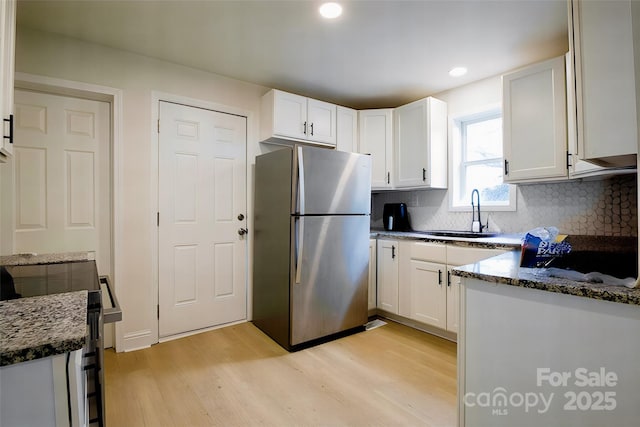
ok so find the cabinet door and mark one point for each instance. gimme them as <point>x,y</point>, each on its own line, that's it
<point>376,139</point>
<point>420,144</point>
<point>321,121</point>
<point>453,301</point>
<point>372,274</point>
<point>388,275</point>
<point>534,123</point>
<point>457,256</point>
<point>347,129</point>
<point>428,293</point>
<point>289,115</point>
<point>7,42</point>
<point>605,82</point>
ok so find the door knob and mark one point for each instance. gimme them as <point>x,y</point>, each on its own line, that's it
<point>243,231</point>
<point>240,217</point>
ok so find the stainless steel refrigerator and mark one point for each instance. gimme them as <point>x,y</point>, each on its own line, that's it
<point>311,243</point>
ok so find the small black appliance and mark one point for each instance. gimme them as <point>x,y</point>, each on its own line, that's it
<point>395,217</point>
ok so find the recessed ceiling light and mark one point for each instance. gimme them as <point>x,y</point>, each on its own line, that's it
<point>457,71</point>
<point>330,10</point>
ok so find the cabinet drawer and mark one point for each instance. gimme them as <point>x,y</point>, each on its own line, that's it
<point>433,252</point>
<point>457,255</point>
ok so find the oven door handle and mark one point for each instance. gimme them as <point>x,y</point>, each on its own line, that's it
<point>114,313</point>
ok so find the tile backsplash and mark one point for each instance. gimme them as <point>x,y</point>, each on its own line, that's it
<point>597,208</point>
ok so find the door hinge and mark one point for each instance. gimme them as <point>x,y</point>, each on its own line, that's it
<point>506,167</point>
<point>158,306</point>
<point>158,125</point>
<point>158,219</point>
<point>568,160</point>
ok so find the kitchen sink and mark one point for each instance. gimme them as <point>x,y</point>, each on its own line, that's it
<point>457,233</point>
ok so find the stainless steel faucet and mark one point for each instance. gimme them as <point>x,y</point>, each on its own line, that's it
<point>476,224</point>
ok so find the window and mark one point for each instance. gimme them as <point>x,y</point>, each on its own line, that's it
<point>477,163</point>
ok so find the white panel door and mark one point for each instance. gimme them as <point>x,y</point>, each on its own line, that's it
<point>202,207</point>
<point>62,176</point>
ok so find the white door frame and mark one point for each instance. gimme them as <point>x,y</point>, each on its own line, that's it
<point>156,97</point>
<point>114,97</point>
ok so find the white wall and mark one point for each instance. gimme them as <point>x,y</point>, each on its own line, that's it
<point>137,76</point>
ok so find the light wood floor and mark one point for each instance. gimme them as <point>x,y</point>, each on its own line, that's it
<point>237,376</point>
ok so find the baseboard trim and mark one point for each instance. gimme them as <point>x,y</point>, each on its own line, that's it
<point>451,336</point>
<point>199,331</point>
<point>136,340</point>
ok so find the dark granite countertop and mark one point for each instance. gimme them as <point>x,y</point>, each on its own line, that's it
<point>508,241</point>
<point>42,326</point>
<point>505,270</point>
<point>52,258</point>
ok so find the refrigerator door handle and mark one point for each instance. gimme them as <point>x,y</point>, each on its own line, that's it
<point>300,182</point>
<point>299,245</point>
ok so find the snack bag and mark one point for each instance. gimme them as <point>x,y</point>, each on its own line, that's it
<point>541,246</point>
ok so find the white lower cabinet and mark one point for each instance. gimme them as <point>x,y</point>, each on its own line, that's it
<point>373,249</point>
<point>387,267</point>
<point>44,392</point>
<point>457,256</point>
<point>453,300</point>
<point>415,280</point>
<point>422,288</point>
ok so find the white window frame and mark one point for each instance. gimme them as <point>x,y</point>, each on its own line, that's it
<point>456,171</point>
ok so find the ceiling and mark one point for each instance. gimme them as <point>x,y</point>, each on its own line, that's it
<point>379,53</point>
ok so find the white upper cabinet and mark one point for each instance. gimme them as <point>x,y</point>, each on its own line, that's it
<point>601,39</point>
<point>376,139</point>
<point>294,118</point>
<point>581,168</point>
<point>7,49</point>
<point>535,123</point>
<point>347,130</point>
<point>420,144</point>
<point>321,122</point>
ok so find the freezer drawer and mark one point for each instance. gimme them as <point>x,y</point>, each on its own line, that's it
<point>330,273</point>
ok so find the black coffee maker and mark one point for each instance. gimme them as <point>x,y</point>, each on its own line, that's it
<point>395,217</point>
